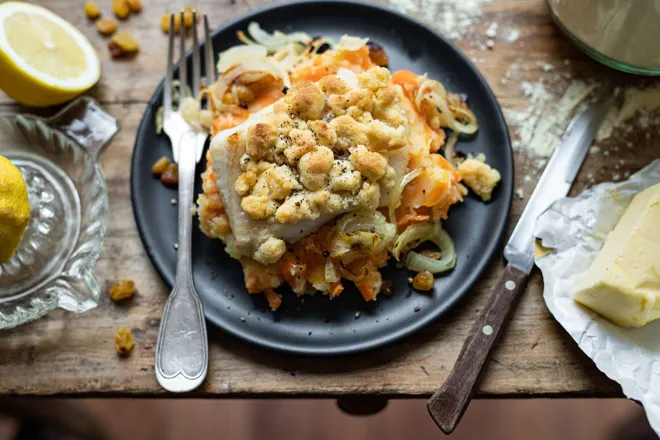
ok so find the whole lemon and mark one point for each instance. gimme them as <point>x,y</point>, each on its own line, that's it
<point>14,209</point>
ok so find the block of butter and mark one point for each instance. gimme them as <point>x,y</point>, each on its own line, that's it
<point>623,282</point>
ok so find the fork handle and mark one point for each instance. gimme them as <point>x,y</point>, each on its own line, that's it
<point>182,347</point>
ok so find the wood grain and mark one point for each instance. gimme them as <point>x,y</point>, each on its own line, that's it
<point>66,354</point>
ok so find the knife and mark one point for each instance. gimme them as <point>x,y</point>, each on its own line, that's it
<point>449,403</point>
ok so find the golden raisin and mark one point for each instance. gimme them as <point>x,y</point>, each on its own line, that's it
<point>122,290</point>
<point>423,281</point>
<point>123,43</point>
<point>106,26</point>
<point>134,5</point>
<point>92,10</point>
<point>171,175</point>
<point>165,22</point>
<point>436,255</point>
<point>377,54</point>
<point>120,8</point>
<point>188,12</point>
<point>115,49</point>
<point>160,166</point>
<point>124,341</point>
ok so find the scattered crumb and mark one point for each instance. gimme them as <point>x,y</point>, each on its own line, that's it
<point>242,318</point>
<point>173,201</point>
<point>490,44</point>
<point>512,36</point>
<point>417,309</point>
<point>357,315</point>
<point>456,19</point>
<point>176,245</point>
<point>520,193</point>
<point>491,32</point>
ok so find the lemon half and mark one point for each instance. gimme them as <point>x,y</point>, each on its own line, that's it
<point>44,60</point>
<point>14,208</point>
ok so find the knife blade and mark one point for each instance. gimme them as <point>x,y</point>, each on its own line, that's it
<point>449,403</point>
<point>556,180</point>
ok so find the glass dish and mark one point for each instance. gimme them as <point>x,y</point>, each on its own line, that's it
<point>59,159</point>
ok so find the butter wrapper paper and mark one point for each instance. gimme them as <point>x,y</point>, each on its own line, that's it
<point>575,228</point>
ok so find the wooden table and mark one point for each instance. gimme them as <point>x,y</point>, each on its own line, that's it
<point>67,354</point>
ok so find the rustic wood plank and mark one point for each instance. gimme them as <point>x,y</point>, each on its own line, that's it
<point>74,354</point>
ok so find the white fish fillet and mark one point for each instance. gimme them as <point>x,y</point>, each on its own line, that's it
<point>249,233</point>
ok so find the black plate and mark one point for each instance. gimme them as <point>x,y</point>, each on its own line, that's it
<point>317,325</point>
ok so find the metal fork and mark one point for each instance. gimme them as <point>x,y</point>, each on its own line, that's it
<point>182,347</point>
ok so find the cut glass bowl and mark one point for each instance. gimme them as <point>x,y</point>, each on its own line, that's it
<point>59,159</point>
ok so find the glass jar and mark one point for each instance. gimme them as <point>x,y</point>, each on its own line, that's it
<point>622,34</point>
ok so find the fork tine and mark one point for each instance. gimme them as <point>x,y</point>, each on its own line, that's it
<point>167,89</point>
<point>208,53</point>
<point>183,65</point>
<point>195,57</point>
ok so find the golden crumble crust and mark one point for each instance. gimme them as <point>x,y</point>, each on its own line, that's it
<point>320,152</point>
<point>479,176</point>
<point>260,138</point>
<point>306,100</point>
<point>371,165</point>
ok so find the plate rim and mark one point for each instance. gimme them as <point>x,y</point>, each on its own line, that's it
<point>385,340</point>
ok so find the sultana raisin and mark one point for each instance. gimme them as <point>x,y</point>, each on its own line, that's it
<point>122,290</point>
<point>106,26</point>
<point>134,5</point>
<point>122,44</point>
<point>165,22</point>
<point>124,341</point>
<point>120,9</point>
<point>92,10</point>
<point>423,281</point>
<point>377,54</point>
<point>188,12</point>
<point>171,175</point>
<point>160,166</point>
<point>115,49</point>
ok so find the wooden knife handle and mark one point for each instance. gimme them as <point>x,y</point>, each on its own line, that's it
<point>449,403</point>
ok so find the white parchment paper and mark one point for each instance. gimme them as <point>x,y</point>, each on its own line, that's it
<point>576,228</point>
